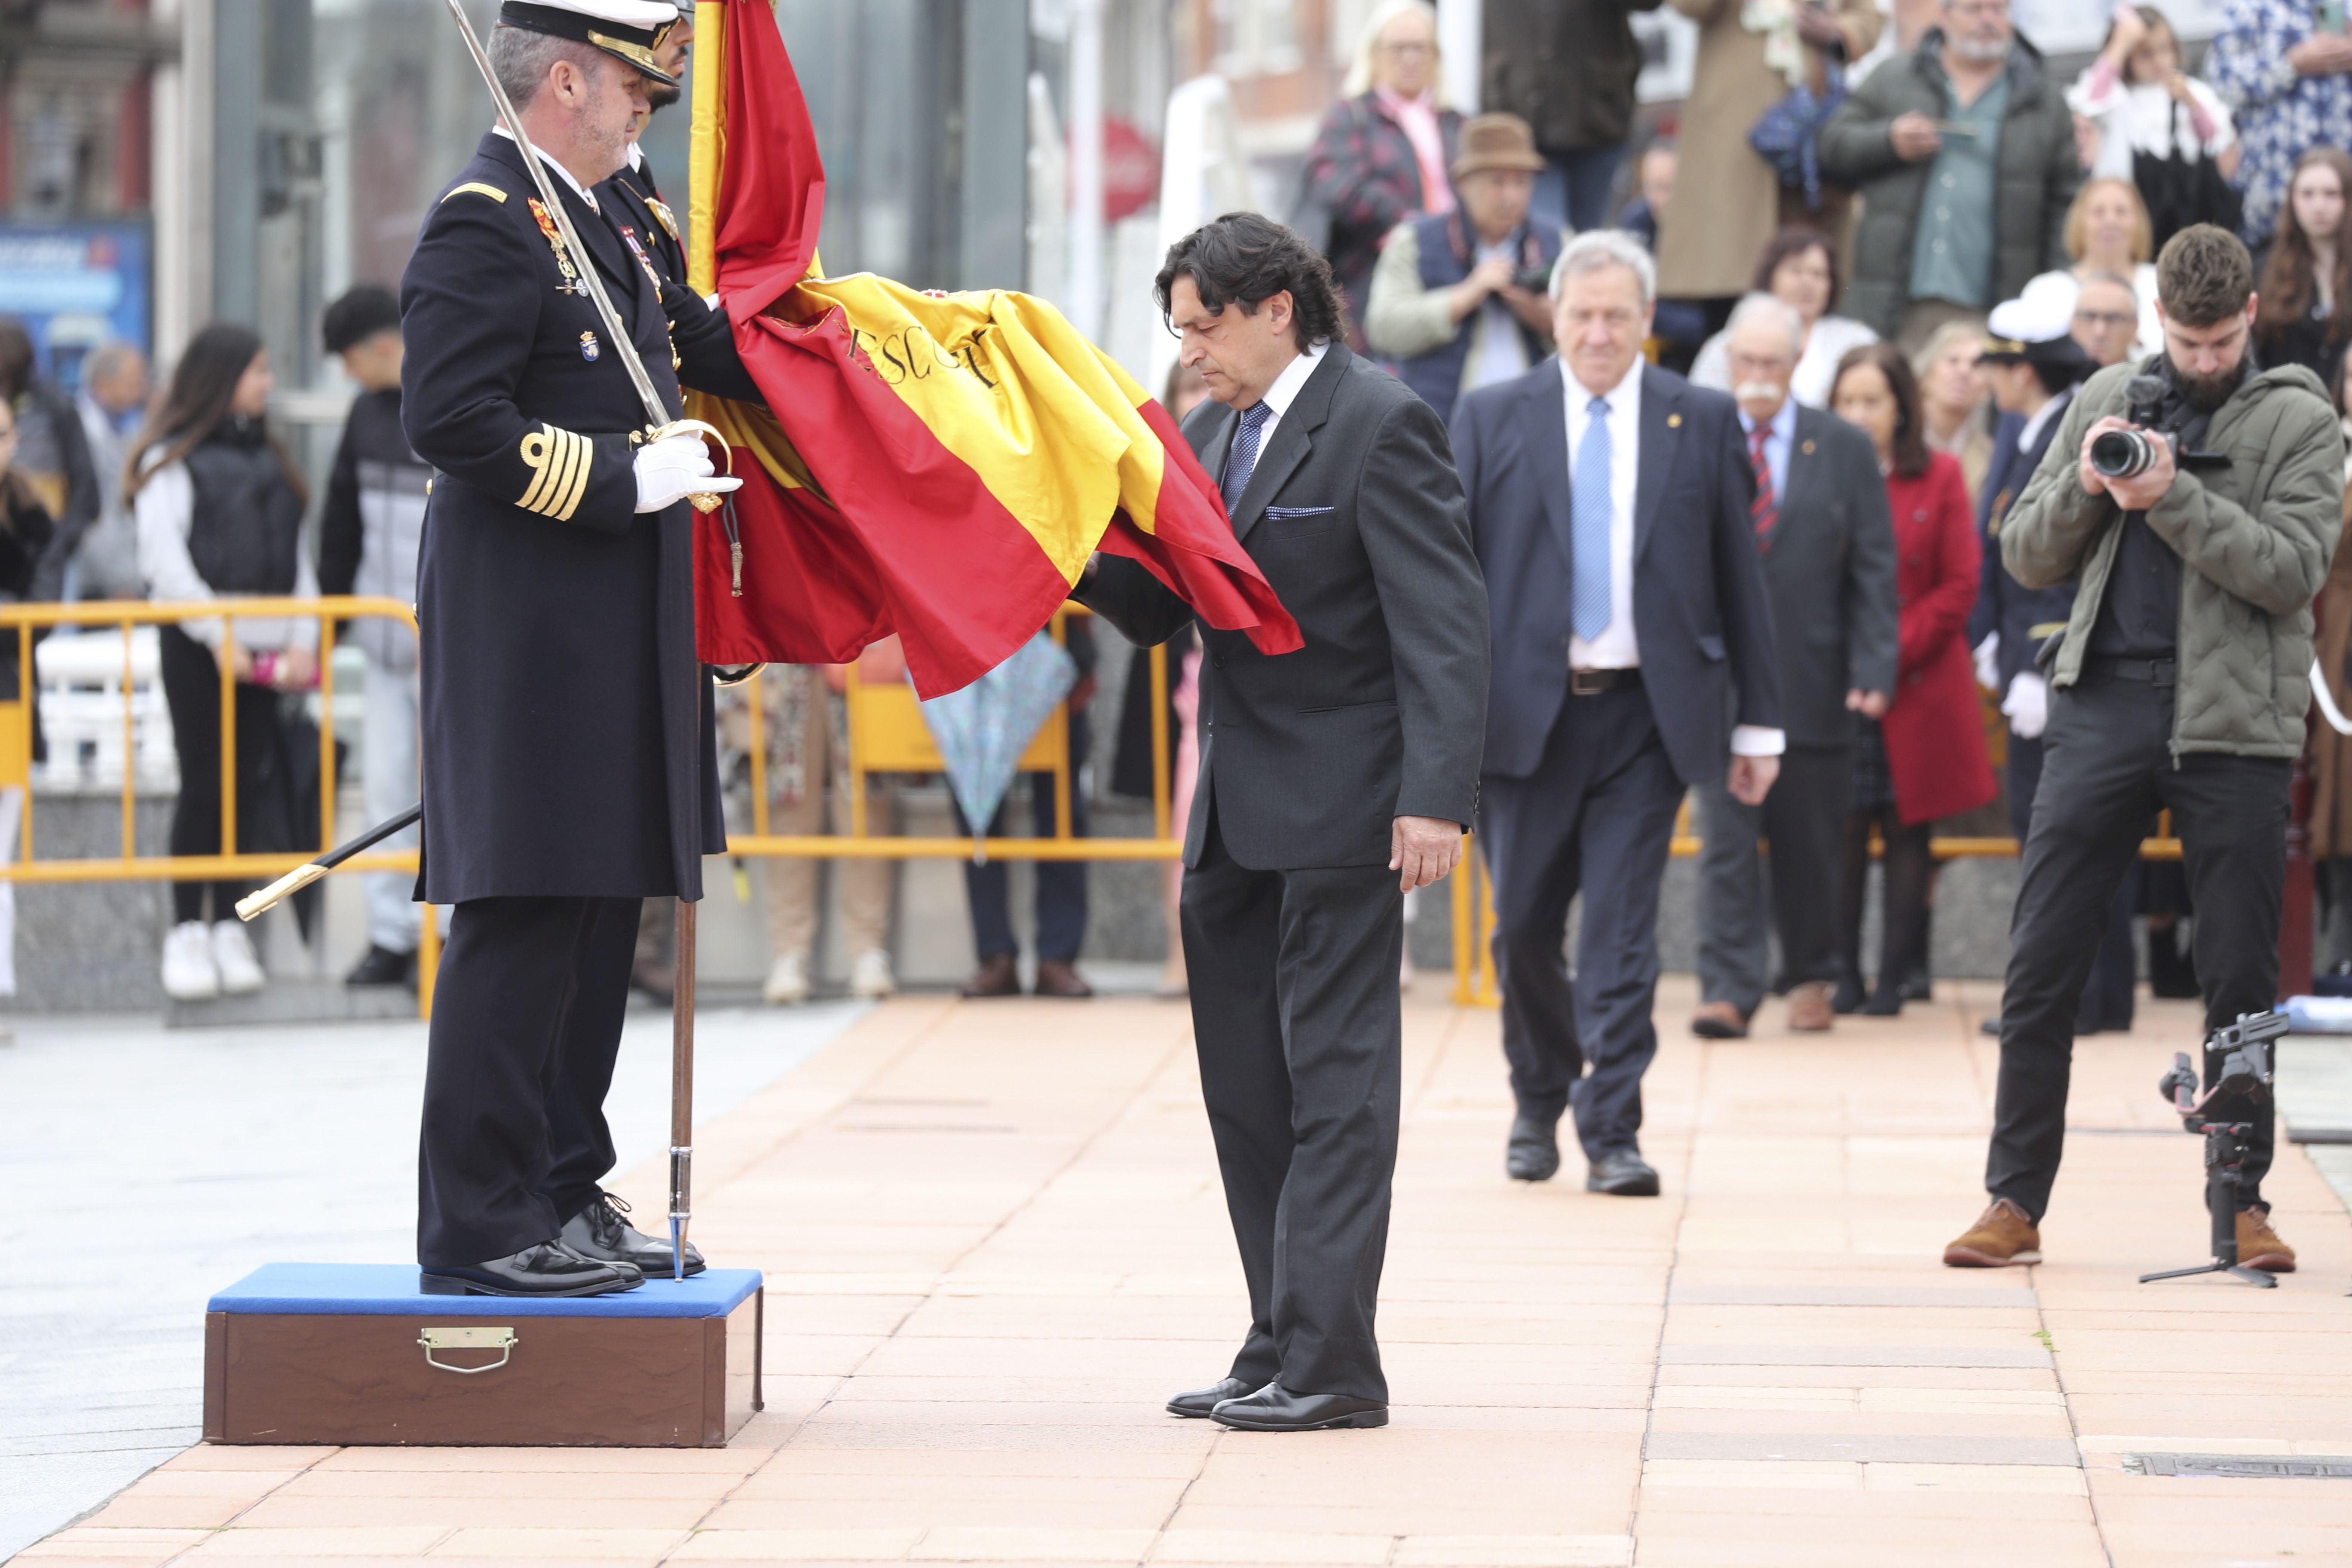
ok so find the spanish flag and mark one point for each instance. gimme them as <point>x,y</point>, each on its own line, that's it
<point>939,467</point>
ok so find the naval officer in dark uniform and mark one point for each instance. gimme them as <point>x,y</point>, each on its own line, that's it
<point>701,335</point>
<point>569,764</point>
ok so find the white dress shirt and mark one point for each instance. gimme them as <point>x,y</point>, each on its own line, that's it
<point>562,172</point>
<point>1618,647</point>
<point>1780,438</point>
<point>2043,416</point>
<point>1285,389</point>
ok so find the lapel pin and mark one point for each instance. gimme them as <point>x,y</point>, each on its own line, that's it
<point>1673,421</point>
<point>1809,449</point>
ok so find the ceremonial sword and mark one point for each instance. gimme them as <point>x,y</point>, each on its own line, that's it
<point>681,1077</point>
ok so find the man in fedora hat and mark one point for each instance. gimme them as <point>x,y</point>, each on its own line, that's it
<point>1458,299</point>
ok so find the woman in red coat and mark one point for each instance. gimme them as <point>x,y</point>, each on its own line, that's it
<point>1927,758</point>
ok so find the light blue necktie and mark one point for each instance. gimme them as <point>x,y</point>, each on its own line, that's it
<point>1588,493</point>
<point>1241,462</point>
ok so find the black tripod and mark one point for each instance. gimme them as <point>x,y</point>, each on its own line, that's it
<point>2245,1073</point>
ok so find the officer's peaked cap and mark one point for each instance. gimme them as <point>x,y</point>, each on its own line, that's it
<point>629,30</point>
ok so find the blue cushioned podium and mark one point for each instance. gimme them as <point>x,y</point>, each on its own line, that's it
<point>357,1353</point>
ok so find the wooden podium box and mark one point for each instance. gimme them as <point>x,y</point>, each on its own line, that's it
<point>356,1354</point>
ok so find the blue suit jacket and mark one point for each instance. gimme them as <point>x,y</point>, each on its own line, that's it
<point>1710,658</point>
<point>2003,604</point>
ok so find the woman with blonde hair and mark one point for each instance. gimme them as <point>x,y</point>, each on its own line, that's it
<point>1382,152</point>
<point>1952,397</point>
<point>2108,234</point>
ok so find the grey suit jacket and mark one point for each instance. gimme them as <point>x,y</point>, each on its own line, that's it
<point>1830,568</point>
<point>1356,518</point>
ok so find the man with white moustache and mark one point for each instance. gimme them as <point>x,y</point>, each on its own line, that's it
<point>1821,526</point>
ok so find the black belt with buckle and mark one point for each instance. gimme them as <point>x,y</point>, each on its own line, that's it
<point>2147,671</point>
<point>1593,682</point>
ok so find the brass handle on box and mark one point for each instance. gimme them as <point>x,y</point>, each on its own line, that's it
<point>501,1340</point>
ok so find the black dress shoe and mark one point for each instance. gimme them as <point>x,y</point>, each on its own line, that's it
<point>381,966</point>
<point>548,1268</point>
<point>1621,1174</point>
<point>1201,1401</point>
<point>599,1232</point>
<point>1534,1154</point>
<point>1849,997</point>
<point>1918,985</point>
<point>1275,1408</point>
<point>1886,1002</point>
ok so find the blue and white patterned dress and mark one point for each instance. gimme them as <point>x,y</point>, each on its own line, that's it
<point>2281,115</point>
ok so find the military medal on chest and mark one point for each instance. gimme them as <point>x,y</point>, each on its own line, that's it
<point>570,284</point>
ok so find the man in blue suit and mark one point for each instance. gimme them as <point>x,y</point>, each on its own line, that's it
<point>1611,507</point>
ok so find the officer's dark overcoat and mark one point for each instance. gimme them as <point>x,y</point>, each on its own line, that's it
<point>568,747</point>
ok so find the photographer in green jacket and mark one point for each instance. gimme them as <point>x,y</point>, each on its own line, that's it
<point>2181,682</point>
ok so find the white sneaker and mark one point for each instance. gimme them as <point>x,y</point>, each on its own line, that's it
<point>788,982</point>
<point>189,975</point>
<point>871,978</point>
<point>232,956</point>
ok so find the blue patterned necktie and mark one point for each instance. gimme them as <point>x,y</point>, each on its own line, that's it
<point>1242,460</point>
<point>1588,497</point>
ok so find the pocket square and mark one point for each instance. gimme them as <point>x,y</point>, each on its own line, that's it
<point>1284,511</point>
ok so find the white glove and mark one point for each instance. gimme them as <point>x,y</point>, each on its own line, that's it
<point>1989,662</point>
<point>670,470</point>
<point>2028,705</point>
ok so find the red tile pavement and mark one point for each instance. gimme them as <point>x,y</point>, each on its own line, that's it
<point>995,1243</point>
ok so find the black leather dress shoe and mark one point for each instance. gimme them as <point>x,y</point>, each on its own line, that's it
<point>548,1268</point>
<point>1621,1174</point>
<point>1534,1154</point>
<point>1275,1408</point>
<point>1201,1401</point>
<point>381,966</point>
<point>599,1232</point>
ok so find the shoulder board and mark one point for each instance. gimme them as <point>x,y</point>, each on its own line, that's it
<point>663,215</point>
<point>479,189</point>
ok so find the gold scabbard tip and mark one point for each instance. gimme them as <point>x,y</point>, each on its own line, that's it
<point>253,905</point>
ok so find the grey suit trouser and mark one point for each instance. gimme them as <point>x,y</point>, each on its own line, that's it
<point>1597,816</point>
<point>1297,1020</point>
<point>1803,817</point>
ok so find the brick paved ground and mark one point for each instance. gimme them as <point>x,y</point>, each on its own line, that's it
<point>994,1244</point>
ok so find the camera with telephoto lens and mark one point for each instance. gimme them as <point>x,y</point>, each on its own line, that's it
<point>2120,454</point>
<point>1534,279</point>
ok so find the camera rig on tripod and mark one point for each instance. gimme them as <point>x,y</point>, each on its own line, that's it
<point>2246,1075</point>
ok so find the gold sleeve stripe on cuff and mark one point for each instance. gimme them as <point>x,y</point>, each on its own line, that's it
<point>534,458</point>
<point>559,467</point>
<point>583,459</point>
<point>560,462</point>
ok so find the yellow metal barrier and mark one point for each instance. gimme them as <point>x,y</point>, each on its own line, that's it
<point>22,621</point>
<point>1473,958</point>
<point>886,734</point>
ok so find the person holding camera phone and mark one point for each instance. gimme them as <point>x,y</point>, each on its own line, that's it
<point>2197,497</point>
<point>1460,298</point>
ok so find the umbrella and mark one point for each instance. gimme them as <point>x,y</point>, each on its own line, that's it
<point>982,730</point>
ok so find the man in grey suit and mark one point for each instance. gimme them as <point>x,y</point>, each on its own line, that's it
<point>1634,656</point>
<point>1332,780</point>
<point>1820,522</point>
